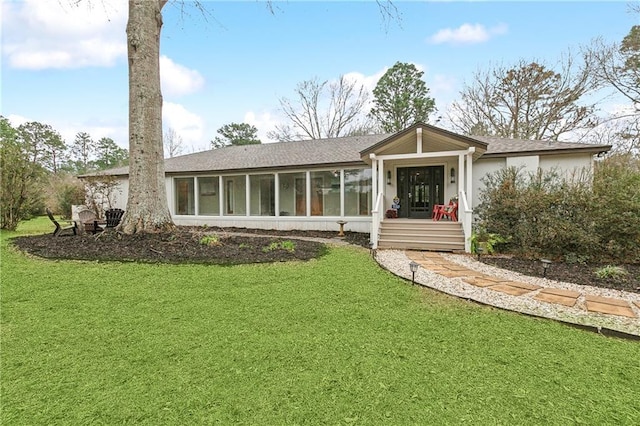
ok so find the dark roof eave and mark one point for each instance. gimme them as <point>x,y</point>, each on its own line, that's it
<point>598,149</point>
<point>270,169</point>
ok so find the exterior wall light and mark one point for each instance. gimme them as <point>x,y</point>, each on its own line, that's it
<point>453,175</point>
<point>388,177</point>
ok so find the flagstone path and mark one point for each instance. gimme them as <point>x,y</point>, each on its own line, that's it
<point>569,305</point>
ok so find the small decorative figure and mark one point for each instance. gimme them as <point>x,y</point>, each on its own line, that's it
<point>396,203</point>
<point>392,213</point>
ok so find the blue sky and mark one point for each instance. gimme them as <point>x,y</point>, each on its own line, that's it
<point>66,66</point>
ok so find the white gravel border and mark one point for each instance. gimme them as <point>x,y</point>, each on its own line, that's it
<point>397,262</point>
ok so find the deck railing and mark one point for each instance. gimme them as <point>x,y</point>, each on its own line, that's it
<point>465,215</point>
<point>376,218</point>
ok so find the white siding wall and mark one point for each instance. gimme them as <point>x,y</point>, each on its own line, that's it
<point>121,194</point>
<point>570,165</point>
<point>528,163</point>
<point>480,169</point>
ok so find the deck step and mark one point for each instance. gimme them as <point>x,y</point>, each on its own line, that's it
<point>421,235</point>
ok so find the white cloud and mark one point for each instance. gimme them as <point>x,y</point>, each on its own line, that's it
<point>467,34</point>
<point>368,81</point>
<point>178,80</point>
<point>50,34</point>
<point>188,125</point>
<point>264,122</point>
<point>16,120</point>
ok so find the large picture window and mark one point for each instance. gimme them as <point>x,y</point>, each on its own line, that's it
<point>185,197</point>
<point>235,200</point>
<point>293,190</point>
<point>208,197</point>
<point>357,192</point>
<point>325,193</point>
<point>263,198</point>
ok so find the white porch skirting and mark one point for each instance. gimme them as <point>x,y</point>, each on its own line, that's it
<point>282,223</point>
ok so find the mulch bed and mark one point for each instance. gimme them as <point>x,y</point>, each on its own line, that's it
<point>583,274</point>
<point>185,246</point>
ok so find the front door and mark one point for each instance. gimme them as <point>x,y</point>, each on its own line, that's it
<point>420,188</point>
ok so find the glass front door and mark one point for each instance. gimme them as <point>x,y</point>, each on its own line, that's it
<point>420,188</point>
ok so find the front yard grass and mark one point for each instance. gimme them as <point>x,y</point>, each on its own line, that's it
<point>330,341</point>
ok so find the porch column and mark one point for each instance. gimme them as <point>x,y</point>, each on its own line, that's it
<point>247,195</point>
<point>374,183</point>
<point>342,193</point>
<point>381,183</point>
<point>468,214</point>
<point>470,177</point>
<point>196,192</point>
<point>276,184</point>
<point>222,195</point>
<point>375,215</point>
<point>308,193</point>
<point>461,174</point>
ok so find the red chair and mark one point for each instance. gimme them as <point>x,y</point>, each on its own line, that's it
<point>437,212</point>
<point>450,211</point>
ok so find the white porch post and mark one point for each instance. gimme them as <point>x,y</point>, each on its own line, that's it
<point>196,192</point>
<point>470,177</point>
<point>374,183</point>
<point>381,183</point>
<point>221,197</point>
<point>308,195</point>
<point>375,214</point>
<point>461,174</point>
<point>247,195</point>
<point>468,214</point>
<point>276,184</point>
<point>341,193</point>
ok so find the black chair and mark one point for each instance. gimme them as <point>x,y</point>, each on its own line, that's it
<point>113,217</point>
<point>69,224</point>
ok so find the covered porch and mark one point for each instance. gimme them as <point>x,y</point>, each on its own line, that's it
<point>420,168</point>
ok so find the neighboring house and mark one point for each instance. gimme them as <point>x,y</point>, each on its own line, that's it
<point>311,184</point>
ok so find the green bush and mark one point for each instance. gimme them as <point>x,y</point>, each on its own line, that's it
<point>68,194</point>
<point>548,214</point>
<point>611,272</point>
<point>210,240</point>
<point>289,246</point>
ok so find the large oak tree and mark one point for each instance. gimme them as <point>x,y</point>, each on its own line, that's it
<point>147,208</point>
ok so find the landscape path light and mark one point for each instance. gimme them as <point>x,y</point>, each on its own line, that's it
<point>545,265</point>
<point>414,268</point>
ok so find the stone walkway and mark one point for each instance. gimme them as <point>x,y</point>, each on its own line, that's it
<point>620,313</point>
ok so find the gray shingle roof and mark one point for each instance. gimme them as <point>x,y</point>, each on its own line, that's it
<point>344,150</point>
<point>501,146</point>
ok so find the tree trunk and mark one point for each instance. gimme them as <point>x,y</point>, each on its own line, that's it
<point>147,208</point>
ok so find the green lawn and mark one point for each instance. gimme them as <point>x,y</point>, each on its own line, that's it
<point>331,341</point>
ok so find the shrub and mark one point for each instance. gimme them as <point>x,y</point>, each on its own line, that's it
<point>289,246</point>
<point>66,191</point>
<point>575,217</point>
<point>210,240</point>
<point>611,272</point>
<point>488,240</point>
<point>540,213</point>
